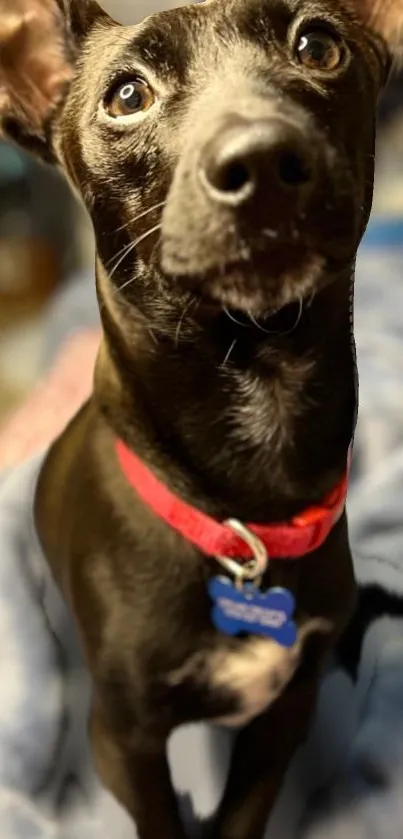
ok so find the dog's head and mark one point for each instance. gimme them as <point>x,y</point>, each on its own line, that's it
<point>224,150</point>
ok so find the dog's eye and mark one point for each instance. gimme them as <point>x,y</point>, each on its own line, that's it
<point>320,50</point>
<point>130,98</point>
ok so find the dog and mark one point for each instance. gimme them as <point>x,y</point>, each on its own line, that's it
<point>225,154</point>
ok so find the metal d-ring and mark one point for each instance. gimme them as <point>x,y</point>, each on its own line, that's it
<point>252,569</point>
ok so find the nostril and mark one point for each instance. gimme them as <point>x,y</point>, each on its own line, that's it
<point>293,169</point>
<point>245,161</point>
<point>234,178</point>
<point>231,177</point>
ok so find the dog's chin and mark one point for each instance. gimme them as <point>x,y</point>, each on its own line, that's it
<point>248,290</point>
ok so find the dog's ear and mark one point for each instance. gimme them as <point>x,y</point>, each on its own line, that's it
<point>385,17</point>
<point>82,16</point>
<point>39,42</point>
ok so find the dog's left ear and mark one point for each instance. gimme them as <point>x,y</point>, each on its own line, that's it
<point>385,17</point>
<point>39,43</point>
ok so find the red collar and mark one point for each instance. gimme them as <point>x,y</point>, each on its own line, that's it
<point>301,535</point>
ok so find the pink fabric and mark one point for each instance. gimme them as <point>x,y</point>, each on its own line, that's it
<point>53,402</point>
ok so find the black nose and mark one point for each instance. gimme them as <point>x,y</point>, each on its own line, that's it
<point>268,158</point>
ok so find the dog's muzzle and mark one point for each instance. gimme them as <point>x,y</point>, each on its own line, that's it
<point>249,182</point>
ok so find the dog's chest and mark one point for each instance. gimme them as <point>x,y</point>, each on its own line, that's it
<point>252,674</point>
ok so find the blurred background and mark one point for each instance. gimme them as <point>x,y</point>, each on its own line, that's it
<point>43,252</point>
<point>46,248</point>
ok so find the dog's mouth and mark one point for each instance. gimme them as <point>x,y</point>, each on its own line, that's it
<point>256,290</point>
<point>282,321</point>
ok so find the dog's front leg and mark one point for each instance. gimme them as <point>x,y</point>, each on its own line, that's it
<point>138,776</point>
<point>262,754</point>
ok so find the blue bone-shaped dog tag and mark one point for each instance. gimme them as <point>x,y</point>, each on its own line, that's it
<point>250,610</point>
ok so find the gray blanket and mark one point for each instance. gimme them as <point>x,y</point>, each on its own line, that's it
<point>348,780</point>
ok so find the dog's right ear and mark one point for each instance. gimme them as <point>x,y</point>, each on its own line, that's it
<point>39,42</point>
<point>82,15</point>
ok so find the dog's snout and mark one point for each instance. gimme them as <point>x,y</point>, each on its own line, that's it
<point>266,158</point>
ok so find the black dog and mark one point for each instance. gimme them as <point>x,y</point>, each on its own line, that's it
<point>225,153</point>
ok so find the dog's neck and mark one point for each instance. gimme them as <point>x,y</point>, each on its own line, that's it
<point>254,425</point>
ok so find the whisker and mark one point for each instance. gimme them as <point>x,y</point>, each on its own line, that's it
<point>301,309</point>
<point>181,320</point>
<point>259,325</point>
<point>125,226</point>
<point>153,336</point>
<point>287,331</point>
<point>231,317</point>
<point>131,248</point>
<point>118,254</point>
<point>109,265</point>
<point>297,319</point>
<point>122,256</point>
<point>157,244</point>
<point>140,216</point>
<point>311,298</point>
<point>228,355</point>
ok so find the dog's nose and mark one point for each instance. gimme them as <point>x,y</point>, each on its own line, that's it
<point>269,158</point>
